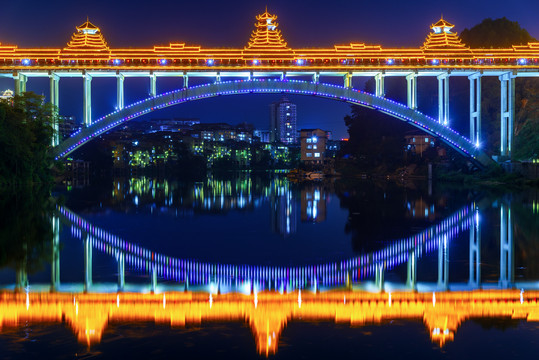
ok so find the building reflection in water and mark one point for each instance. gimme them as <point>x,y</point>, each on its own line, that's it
<point>313,203</point>
<point>283,207</point>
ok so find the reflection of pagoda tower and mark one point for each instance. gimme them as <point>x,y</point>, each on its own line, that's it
<point>88,38</point>
<point>283,208</point>
<point>441,37</point>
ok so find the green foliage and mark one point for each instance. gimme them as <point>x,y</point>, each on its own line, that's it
<point>503,33</point>
<point>25,137</point>
<point>25,228</point>
<point>374,138</point>
<point>498,33</point>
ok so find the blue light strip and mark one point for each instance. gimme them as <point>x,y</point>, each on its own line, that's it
<point>100,130</point>
<point>267,277</point>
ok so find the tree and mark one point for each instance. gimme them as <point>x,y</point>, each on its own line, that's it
<point>26,134</point>
<point>503,33</point>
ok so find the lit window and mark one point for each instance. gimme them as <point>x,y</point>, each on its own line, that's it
<point>309,154</point>
<point>310,146</point>
<point>315,139</point>
<point>315,147</point>
<point>316,154</point>
<point>413,139</point>
<point>309,141</point>
<point>426,139</point>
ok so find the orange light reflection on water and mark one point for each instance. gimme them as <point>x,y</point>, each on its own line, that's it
<point>89,314</point>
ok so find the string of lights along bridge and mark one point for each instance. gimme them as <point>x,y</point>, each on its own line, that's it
<point>267,56</point>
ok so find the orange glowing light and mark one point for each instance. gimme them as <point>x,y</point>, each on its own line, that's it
<point>89,314</point>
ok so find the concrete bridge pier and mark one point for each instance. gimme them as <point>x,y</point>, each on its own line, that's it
<point>185,80</point>
<point>443,98</point>
<point>316,78</point>
<point>507,97</point>
<point>154,278</point>
<point>153,85</point>
<point>120,90</point>
<point>475,108</point>
<point>87,263</point>
<point>54,80</point>
<point>411,91</point>
<point>443,264</point>
<point>348,80</point>
<point>379,276</point>
<point>55,263</point>
<point>475,252</point>
<point>20,83</point>
<point>411,278</point>
<point>121,271</point>
<point>379,81</point>
<point>87,107</point>
<point>507,276</point>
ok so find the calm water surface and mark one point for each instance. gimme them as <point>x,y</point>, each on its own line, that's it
<point>253,233</point>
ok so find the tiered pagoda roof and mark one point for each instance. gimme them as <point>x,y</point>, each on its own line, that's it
<point>441,37</point>
<point>266,36</point>
<point>88,38</point>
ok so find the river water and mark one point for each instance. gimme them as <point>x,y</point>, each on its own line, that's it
<point>244,234</point>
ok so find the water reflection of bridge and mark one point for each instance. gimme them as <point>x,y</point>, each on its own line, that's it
<point>248,293</point>
<point>267,313</point>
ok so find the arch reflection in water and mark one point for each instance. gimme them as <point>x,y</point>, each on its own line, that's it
<point>222,278</point>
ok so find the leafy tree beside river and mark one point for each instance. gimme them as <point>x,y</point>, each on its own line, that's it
<point>26,134</point>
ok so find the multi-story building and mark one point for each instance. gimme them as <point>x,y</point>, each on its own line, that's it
<point>283,122</point>
<point>6,95</point>
<point>313,146</point>
<point>262,135</point>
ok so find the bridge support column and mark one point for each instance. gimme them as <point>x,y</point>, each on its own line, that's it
<point>55,263</point>
<point>283,76</point>
<point>379,81</point>
<point>316,78</point>
<point>87,263</point>
<point>443,263</point>
<point>186,80</point>
<point>348,80</point>
<point>153,85</point>
<point>411,278</point>
<point>443,98</point>
<point>507,113</point>
<point>120,91</point>
<point>87,111</point>
<point>507,276</point>
<point>121,271</point>
<point>54,80</point>
<point>218,77</point>
<point>21,277</point>
<point>411,91</point>
<point>475,252</point>
<point>154,278</point>
<point>20,83</point>
<point>475,108</point>
<point>379,276</point>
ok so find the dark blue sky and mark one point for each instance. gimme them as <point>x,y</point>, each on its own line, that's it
<point>314,23</point>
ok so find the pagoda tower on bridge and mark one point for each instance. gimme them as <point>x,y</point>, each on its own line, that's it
<point>266,36</point>
<point>441,37</point>
<point>87,39</point>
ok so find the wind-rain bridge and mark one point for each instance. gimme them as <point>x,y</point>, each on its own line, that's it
<point>268,65</point>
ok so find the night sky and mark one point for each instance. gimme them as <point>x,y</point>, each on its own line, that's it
<point>211,23</point>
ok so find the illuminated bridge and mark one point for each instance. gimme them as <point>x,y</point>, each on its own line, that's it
<point>267,56</point>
